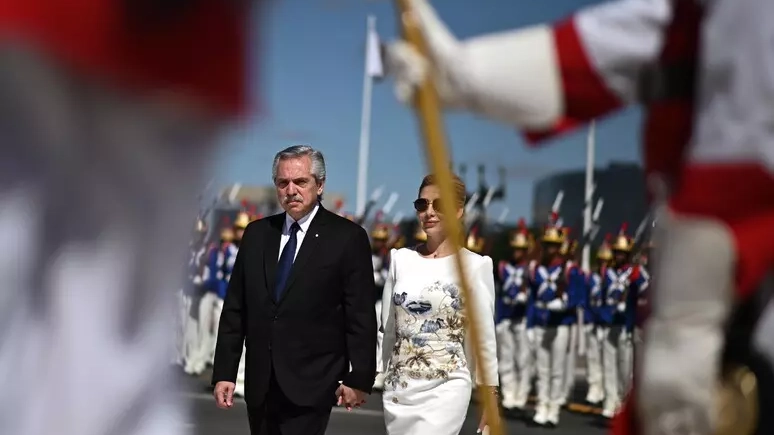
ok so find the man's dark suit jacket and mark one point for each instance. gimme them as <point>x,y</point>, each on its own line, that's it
<point>323,322</point>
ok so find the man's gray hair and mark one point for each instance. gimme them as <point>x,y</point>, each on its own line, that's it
<point>296,151</point>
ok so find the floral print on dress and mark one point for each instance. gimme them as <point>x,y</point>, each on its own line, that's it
<point>429,335</point>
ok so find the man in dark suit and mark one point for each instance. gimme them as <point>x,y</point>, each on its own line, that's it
<point>301,297</point>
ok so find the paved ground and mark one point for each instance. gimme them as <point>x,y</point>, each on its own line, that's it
<point>209,420</point>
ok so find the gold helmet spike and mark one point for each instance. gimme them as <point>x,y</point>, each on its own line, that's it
<point>568,247</point>
<point>475,243</point>
<point>553,234</point>
<point>242,220</point>
<point>380,232</point>
<point>520,237</point>
<point>605,253</point>
<point>227,232</point>
<point>420,235</point>
<point>243,217</point>
<point>622,242</point>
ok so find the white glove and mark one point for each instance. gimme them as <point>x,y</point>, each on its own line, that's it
<point>621,307</point>
<point>509,76</point>
<point>684,336</point>
<point>197,280</point>
<point>521,298</point>
<point>556,305</point>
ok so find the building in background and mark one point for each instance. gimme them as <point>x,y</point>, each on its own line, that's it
<point>622,185</point>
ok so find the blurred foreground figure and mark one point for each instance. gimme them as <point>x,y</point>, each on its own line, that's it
<point>702,70</point>
<point>107,114</point>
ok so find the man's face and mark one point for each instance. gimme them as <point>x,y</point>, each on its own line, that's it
<point>377,244</point>
<point>620,258</point>
<point>550,250</point>
<point>297,189</point>
<point>519,254</point>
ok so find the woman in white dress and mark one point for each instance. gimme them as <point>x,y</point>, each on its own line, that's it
<point>430,375</point>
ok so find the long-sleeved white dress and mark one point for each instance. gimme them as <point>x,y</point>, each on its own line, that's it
<point>429,373</point>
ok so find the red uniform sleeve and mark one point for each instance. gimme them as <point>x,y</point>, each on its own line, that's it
<point>586,96</point>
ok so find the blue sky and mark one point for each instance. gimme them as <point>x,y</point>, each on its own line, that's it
<point>310,65</point>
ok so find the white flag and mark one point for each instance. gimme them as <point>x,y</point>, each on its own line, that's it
<point>374,67</point>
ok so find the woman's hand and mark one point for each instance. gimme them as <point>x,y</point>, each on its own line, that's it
<point>483,423</point>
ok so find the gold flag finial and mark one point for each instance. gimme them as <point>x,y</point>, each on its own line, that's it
<point>428,106</point>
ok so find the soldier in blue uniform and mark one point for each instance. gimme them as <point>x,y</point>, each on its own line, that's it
<point>593,326</point>
<point>220,260</point>
<point>381,264</point>
<point>546,321</point>
<point>622,284</point>
<point>193,291</point>
<point>514,353</point>
<point>576,291</point>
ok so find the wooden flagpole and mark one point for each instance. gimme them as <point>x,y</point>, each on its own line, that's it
<point>431,124</point>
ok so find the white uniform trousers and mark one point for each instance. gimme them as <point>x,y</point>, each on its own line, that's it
<point>183,303</point>
<point>210,308</point>
<point>551,355</point>
<point>514,359</point>
<point>617,366</point>
<point>97,201</point>
<point>570,363</point>
<point>191,333</point>
<point>216,312</point>
<point>596,392</point>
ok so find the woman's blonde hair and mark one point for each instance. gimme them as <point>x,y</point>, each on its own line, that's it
<point>460,191</point>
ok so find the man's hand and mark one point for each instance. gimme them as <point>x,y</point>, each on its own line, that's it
<point>224,394</point>
<point>350,397</point>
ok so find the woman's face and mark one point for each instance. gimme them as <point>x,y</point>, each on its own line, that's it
<point>428,207</point>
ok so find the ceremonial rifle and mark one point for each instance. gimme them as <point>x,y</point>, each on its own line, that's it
<point>429,112</point>
<point>639,235</point>
<point>370,206</point>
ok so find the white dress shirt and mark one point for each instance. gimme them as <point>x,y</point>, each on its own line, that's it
<point>304,223</point>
